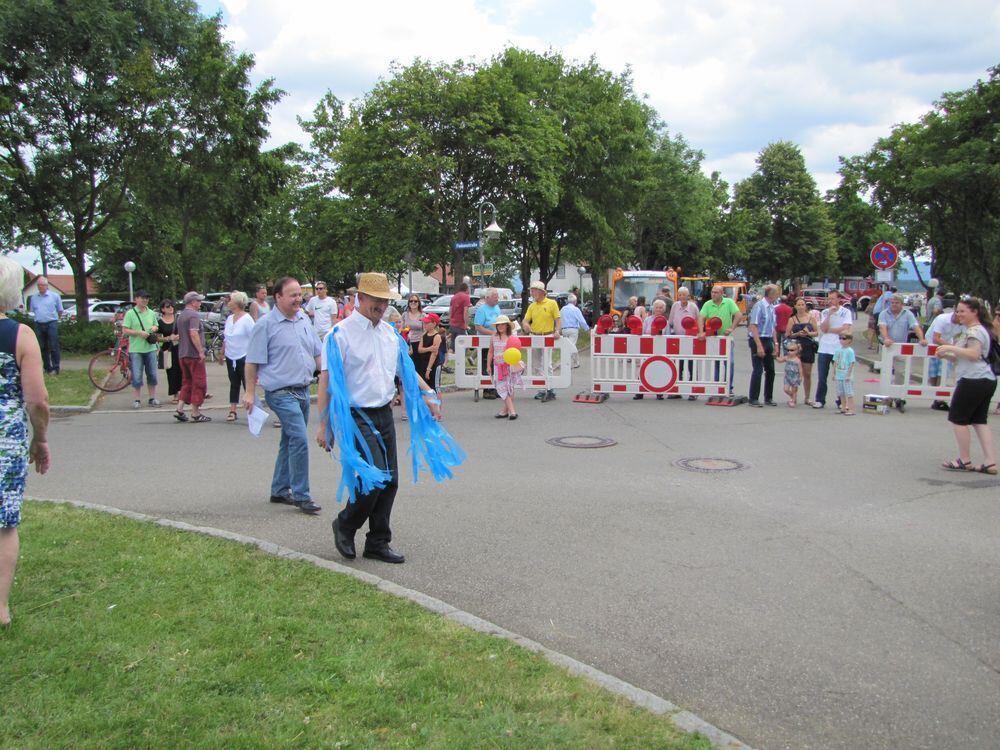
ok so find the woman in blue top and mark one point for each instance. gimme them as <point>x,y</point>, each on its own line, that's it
<point>970,403</point>
<point>21,385</point>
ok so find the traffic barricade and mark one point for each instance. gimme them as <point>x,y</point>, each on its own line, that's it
<point>540,371</point>
<point>681,365</point>
<point>905,373</point>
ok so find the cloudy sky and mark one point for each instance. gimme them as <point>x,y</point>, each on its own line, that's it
<point>730,75</point>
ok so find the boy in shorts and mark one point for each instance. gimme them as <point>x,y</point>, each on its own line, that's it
<point>843,361</point>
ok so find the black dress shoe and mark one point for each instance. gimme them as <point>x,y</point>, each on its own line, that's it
<point>281,499</point>
<point>385,554</point>
<point>637,397</point>
<point>307,506</point>
<point>755,403</point>
<point>771,403</point>
<point>343,542</point>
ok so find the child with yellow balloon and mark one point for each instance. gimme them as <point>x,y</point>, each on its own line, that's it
<point>504,363</point>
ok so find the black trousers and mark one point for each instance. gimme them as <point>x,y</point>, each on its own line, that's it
<point>762,365</point>
<point>375,507</point>
<point>236,378</point>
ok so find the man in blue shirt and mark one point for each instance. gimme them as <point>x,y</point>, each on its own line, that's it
<point>47,307</point>
<point>763,346</point>
<point>283,354</point>
<point>572,323</point>
<point>486,313</point>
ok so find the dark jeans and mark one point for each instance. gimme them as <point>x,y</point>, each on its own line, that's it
<point>236,378</point>
<point>376,506</point>
<point>825,360</point>
<point>761,365</point>
<point>48,342</point>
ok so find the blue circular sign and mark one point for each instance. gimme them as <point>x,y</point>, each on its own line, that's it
<point>884,256</point>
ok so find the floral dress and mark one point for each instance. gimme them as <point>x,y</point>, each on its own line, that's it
<point>13,429</point>
<point>793,373</point>
<point>505,377</point>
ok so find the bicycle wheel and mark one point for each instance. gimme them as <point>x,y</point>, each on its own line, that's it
<point>109,371</point>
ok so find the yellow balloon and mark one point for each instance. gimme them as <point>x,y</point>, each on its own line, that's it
<point>512,356</point>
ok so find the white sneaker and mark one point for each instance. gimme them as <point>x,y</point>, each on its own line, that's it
<point>136,404</point>
<point>154,402</point>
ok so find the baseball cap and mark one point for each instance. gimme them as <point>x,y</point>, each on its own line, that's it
<point>192,296</point>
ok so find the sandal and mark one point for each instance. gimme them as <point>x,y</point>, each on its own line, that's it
<point>986,469</point>
<point>957,465</point>
<point>180,416</point>
<point>404,418</point>
<point>231,417</point>
<point>791,404</point>
<point>848,413</point>
<point>201,418</point>
<point>501,415</point>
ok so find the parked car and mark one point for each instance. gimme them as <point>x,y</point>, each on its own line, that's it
<point>105,310</point>
<point>211,312</point>
<point>442,308</point>
<point>511,308</point>
<point>561,298</point>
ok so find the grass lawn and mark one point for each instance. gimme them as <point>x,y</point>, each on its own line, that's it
<point>127,635</point>
<point>69,388</point>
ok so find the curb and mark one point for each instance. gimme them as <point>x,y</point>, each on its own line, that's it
<point>683,720</point>
<point>77,409</point>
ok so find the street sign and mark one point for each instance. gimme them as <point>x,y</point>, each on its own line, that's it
<point>884,256</point>
<point>485,269</point>
<point>470,245</point>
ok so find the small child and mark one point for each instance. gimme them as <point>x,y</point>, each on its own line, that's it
<point>505,377</point>
<point>843,360</point>
<point>793,370</point>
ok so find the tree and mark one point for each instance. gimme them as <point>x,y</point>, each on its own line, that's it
<point>781,225</point>
<point>81,104</point>
<point>131,121</point>
<point>939,181</point>
<point>857,224</point>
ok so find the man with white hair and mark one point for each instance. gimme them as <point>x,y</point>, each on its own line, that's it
<point>572,323</point>
<point>47,307</point>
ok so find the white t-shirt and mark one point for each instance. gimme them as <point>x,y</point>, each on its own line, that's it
<point>974,369</point>
<point>237,333</point>
<point>942,324</point>
<point>829,343</point>
<point>323,311</point>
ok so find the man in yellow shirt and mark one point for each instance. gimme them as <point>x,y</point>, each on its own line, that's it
<point>541,319</point>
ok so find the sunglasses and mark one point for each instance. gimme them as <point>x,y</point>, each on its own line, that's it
<point>846,338</point>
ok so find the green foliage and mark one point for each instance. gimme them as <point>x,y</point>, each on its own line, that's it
<point>939,181</point>
<point>779,222</point>
<point>130,131</point>
<point>198,642</point>
<point>77,336</point>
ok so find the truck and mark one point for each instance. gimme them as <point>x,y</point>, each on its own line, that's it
<point>647,284</point>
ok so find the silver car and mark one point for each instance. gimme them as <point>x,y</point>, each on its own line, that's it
<point>105,310</point>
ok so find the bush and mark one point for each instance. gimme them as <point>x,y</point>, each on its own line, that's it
<point>85,338</point>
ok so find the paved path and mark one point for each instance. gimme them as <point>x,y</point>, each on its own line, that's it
<point>840,592</point>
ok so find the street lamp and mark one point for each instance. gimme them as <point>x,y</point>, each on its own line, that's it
<point>581,270</point>
<point>491,232</point>
<point>129,268</point>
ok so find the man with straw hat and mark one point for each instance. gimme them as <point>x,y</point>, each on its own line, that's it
<point>282,355</point>
<point>542,318</point>
<point>361,358</point>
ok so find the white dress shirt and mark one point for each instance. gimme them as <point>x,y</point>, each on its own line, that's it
<point>370,356</point>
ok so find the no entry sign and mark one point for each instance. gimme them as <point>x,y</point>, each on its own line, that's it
<point>884,256</point>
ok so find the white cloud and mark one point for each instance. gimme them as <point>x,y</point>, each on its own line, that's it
<point>730,75</point>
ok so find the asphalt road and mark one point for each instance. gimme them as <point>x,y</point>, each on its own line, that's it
<point>841,591</point>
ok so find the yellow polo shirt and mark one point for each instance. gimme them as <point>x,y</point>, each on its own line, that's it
<point>542,316</point>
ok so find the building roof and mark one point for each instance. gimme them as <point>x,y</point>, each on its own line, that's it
<point>62,283</point>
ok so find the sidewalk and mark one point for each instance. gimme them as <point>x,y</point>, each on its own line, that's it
<point>218,388</point>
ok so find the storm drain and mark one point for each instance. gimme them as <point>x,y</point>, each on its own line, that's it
<point>710,465</point>
<point>581,441</point>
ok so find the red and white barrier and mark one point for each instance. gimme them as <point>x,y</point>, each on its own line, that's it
<point>904,371</point>
<point>682,365</point>
<point>536,353</point>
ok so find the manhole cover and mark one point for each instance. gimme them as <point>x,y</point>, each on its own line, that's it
<point>709,465</point>
<point>581,441</point>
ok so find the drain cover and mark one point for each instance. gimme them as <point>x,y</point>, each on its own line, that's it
<point>709,465</point>
<point>581,441</point>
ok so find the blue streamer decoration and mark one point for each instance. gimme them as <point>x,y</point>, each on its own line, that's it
<point>430,442</point>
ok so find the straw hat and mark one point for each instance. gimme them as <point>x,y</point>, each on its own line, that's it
<point>376,285</point>
<point>502,319</point>
<point>538,285</point>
